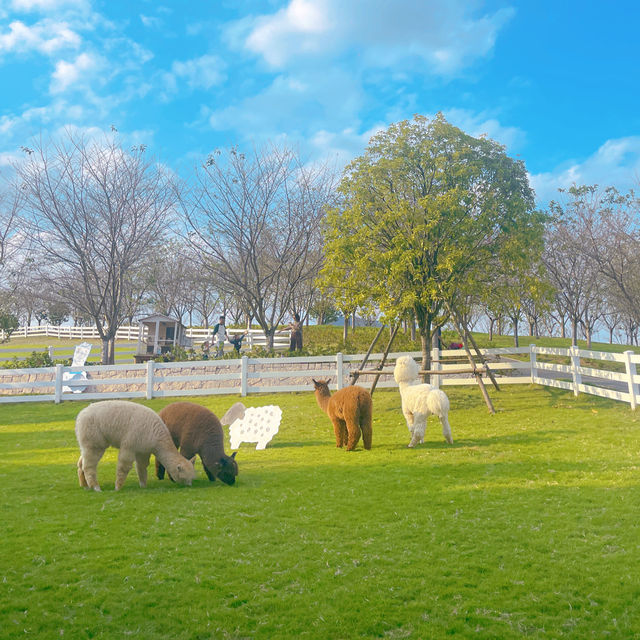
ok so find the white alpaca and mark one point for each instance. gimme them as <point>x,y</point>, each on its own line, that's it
<point>419,401</point>
<point>134,429</point>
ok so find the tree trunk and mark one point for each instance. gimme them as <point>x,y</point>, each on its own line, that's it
<point>574,332</point>
<point>425,338</point>
<point>269,334</point>
<point>105,350</point>
<point>345,329</point>
<point>516,338</point>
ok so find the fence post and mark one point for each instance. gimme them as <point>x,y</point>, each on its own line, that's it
<point>339,371</point>
<point>57,397</point>
<point>244,375</point>
<point>436,365</point>
<point>533,362</point>
<point>575,364</point>
<point>150,364</point>
<point>631,372</point>
<point>50,351</point>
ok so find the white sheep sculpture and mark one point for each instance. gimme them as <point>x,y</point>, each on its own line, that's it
<point>420,400</point>
<point>253,424</point>
<point>134,429</point>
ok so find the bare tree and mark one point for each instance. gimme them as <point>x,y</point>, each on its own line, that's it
<point>610,236</point>
<point>255,221</point>
<point>96,212</point>
<point>13,243</point>
<point>572,273</point>
<point>170,279</point>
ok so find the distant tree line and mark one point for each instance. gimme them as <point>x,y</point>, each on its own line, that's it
<point>427,220</point>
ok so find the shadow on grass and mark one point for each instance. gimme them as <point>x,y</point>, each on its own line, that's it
<point>517,438</point>
<point>310,443</point>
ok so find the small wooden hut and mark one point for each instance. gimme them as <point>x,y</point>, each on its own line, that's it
<point>158,334</point>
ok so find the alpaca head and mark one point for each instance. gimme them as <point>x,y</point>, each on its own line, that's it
<point>406,370</point>
<point>322,387</point>
<point>225,470</point>
<point>183,472</point>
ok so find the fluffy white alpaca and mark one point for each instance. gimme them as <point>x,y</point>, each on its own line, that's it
<point>134,429</point>
<point>419,401</point>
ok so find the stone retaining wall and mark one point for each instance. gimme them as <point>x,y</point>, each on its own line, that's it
<point>292,374</point>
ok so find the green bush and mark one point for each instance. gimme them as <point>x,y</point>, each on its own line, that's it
<point>35,360</point>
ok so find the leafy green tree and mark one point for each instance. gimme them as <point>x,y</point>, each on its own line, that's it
<point>428,213</point>
<point>8,324</point>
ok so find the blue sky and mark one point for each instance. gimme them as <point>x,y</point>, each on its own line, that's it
<point>556,82</point>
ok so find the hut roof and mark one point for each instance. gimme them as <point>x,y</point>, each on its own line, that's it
<point>158,317</point>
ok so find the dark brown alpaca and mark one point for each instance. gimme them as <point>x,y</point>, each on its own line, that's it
<point>349,410</point>
<point>197,430</point>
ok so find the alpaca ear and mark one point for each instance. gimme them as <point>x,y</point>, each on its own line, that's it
<point>233,455</point>
<point>192,460</point>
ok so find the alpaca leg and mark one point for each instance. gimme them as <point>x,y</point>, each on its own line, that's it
<point>159,470</point>
<point>367,434</point>
<point>340,430</point>
<point>408,416</point>
<point>81,479</point>
<point>353,430</point>
<point>125,462</point>
<point>419,427</point>
<point>344,435</point>
<point>142,462</point>
<point>446,429</point>
<point>90,459</point>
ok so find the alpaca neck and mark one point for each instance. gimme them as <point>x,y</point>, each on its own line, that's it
<point>407,383</point>
<point>323,400</point>
<point>168,458</point>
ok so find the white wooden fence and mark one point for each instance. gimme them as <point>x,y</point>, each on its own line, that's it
<point>562,368</point>
<point>255,337</point>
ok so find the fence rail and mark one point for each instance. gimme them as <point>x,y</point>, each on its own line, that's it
<point>555,367</point>
<point>256,336</point>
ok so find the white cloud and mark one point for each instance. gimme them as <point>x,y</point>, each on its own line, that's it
<point>8,159</point>
<point>342,146</point>
<point>478,124</point>
<point>616,163</point>
<point>299,27</point>
<point>295,104</point>
<point>46,37</point>
<point>151,22</point>
<point>68,74</point>
<point>444,34</point>
<point>203,72</point>
<point>47,5</point>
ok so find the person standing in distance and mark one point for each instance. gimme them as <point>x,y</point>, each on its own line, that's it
<point>296,333</point>
<point>219,336</point>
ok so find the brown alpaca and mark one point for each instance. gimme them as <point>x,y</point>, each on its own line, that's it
<point>196,430</point>
<point>349,410</point>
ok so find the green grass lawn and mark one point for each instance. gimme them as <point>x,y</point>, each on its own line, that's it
<point>527,527</point>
